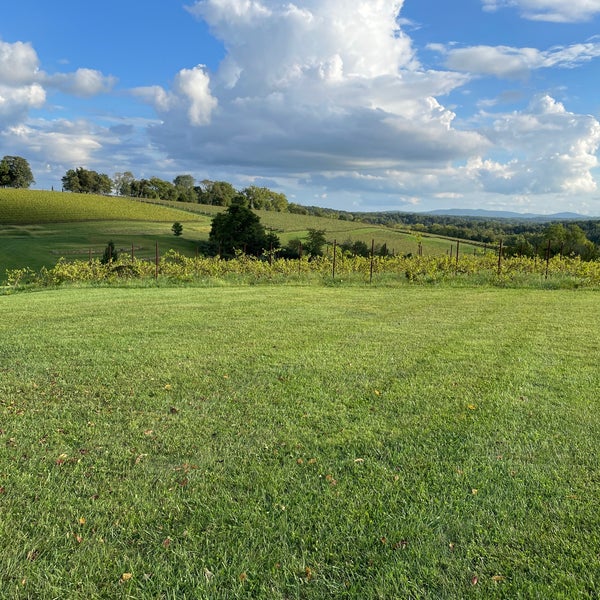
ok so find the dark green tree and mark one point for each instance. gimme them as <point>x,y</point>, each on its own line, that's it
<point>238,228</point>
<point>314,242</point>
<point>177,229</point>
<point>15,172</point>
<point>110,254</point>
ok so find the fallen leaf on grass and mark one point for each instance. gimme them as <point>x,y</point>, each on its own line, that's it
<point>308,574</point>
<point>331,480</point>
<point>139,458</point>
<point>359,460</point>
<point>498,578</point>
<point>474,492</point>
<point>474,580</point>
<point>243,576</point>
<point>166,542</point>
<point>82,520</point>
<point>126,577</point>
<point>32,555</point>
<point>208,574</point>
<point>472,407</point>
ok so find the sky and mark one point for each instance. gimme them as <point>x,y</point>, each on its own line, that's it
<point>359,105</point>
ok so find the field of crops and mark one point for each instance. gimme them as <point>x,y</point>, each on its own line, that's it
<point>176,268</point>
<point>26,207</point>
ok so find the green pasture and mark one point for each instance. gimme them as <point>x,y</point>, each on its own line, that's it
<point>42,245</point>
<point>299,442</point>
<point>39,227</point>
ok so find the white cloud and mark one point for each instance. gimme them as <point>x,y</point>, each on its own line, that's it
<point>506,61</point>
<point>554,151</point>
<point>557,11</point>
<point>19,64</point>
<point>322,85</point>
<point>84,83</point>
<point>194,86</point>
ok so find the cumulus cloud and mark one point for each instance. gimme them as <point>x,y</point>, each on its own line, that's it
<point>84,83</point>
<point>506,61</point>
<point>24,86</point>
<point>321,85</point>
<point>555,151</point>
<point>557,11</point>
<point>19,64</point>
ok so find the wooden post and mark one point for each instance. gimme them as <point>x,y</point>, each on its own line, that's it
<point>334,257</point>
<point>372,259</point>
<point>547,258</point>
<point>457,252</point>
<point>500,259</point>
<point>156,259</point>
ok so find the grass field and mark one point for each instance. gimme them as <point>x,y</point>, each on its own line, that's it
<point>39,227</point>
<point>299,442</point>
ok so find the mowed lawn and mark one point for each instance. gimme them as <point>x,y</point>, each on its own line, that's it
<point>300,442</point>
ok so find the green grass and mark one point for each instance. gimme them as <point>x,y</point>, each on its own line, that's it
<point>36,246</point>
<point>38,227</point>
<point>299,442</point>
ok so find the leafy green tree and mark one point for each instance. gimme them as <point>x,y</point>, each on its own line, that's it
<point>314,242</point>
<point>122,183</point>
<point>164,190</point>
<point>84,181</point>
<point>177,229</point>
<point>238,228</point>
<point>184,188</point>
<point>217,193</point>
<point>15,172</point>
<point>262,198</point>
<point>142,188</point>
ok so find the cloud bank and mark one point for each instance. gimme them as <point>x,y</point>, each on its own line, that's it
<point>557,11</point>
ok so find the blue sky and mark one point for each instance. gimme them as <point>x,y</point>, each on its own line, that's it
<point>353,104</point>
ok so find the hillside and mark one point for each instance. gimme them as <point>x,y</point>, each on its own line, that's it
<point>37,228</point>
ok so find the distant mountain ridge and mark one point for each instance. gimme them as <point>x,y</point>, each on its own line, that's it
<point>499,214</point>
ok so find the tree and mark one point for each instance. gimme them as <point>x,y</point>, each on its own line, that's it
<point>217,193</point>
<point>315,242</point>
<point>265,199</point>
<point>84,181</point>
<point>164,190</point>
<point>122,183</point>
<point>15,172</point>
<point>238,228</point>
<point>110,254</point>
<point>177,229</point>
<point>184,188</point>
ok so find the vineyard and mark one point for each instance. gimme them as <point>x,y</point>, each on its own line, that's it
<point>25,207</point>
<point>174,267</point>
